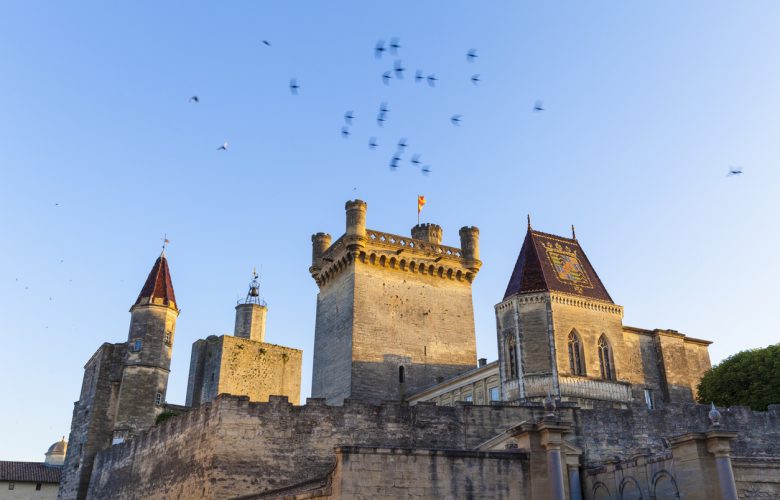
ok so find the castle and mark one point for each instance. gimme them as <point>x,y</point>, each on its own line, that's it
<point>577,405</point>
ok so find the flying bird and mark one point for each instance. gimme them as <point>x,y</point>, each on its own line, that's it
<point>266,43</point>
<point>344,132</point>
<point>475,79</point>
<point>418,76</point>
<point>194,99</point>
<point>380,119</point>
<point>471,55</point>
<point>223,147</point>
<point>399,70</point>
<point>538,106</point>
<point>416,160</point>
<point>294,86</point>
<point>395,44</point>
<point>734,171</point>
<point>456,120</point>
<point>426,170</point>
<point>394,162</point>
<point>379,49</point>
<point>402,143</point>
<point>348,117</point>
<point>383,108</point>
<point>372,144</point>
<point>386,77</point>
<point>432,80</point>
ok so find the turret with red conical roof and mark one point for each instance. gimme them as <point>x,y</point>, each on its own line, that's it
<point>148,358</point>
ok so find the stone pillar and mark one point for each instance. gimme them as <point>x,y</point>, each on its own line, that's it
<point>719,445</point>
<point>431,233</point>
<point>250,322</point>
<point>575,488</point>
<point>552,440</point>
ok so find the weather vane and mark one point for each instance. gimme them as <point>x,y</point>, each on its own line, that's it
<point>165,240</point>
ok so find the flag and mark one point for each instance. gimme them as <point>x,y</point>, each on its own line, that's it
<point>420,203</point>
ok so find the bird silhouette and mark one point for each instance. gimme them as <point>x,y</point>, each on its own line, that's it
<point>734,171</point>
<point>372,144</point>
<point>223,147</point>
<point>418,76</point>
<point>426,170</point>
<point>194,99</point>
<point>380,119</point>
<point>344,132</point>
<point>266,43</point>
<point>294,86</point>
<point>399,70</point>
<point>383,108</point>
<point>395,44</point>
<point>394,162</point>
<point>386,77</point>
<point>432,80</point>
<point>379,49</point>
<point>475,79</point>
<point>471,55</point>
<point>416,160</point>
<point>456,120</point>
<point>402,143</point>
<point>538,106</point>
<point>348,117</point>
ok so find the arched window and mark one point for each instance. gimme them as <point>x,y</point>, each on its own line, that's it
<point>576,365</point>
<point>605,359</point>
<point>401,375</point>
<point>511,348</point>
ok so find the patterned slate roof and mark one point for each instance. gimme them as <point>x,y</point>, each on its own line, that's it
<point>158,284</point>
<point>551,263</point>
<point>32,472</point>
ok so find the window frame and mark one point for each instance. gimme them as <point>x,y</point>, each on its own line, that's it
<point>576,354</point>
<point>649,399</point>
<point>138,344</point>
<point>606,360</point>
<point>158,399</point>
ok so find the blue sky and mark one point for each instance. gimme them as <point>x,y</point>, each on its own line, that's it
<point>647,106</point>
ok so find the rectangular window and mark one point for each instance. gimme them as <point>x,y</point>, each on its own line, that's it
<point>137,344</point>
<point>37,486</point>
<point>468,398</point>
<point>158,399</point>
<point>649,399</point>
<point>494,394</point>
<point>167,338</point>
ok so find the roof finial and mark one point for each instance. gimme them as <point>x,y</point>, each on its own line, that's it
<point>529,222</point>
<point>573,234</point>
<point>165,241</point>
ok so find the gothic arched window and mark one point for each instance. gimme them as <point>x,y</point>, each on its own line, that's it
<point>605,359</point>
<point>576,365</point>
<point>511,348</point>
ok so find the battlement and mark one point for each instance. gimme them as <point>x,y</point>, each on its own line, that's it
<point>421,253</point>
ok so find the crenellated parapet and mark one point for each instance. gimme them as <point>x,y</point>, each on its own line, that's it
<point>422,253</point>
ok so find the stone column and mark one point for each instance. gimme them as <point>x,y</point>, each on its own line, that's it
<point>575,490</point>
<point>719,445</point>
<point>552,440</point>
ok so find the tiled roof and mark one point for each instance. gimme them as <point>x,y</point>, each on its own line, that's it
<point>32,472</point>
<point>554,264</point>
<point>158,285</point>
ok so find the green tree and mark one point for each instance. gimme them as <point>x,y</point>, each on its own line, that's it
<point>162,417</point>
<point>748,378</point>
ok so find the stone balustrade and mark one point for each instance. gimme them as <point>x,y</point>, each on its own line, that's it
<point>396,241</point>
<point>578,387</point>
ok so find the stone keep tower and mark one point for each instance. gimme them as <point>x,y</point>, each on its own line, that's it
<point>149,347</point>
<point>394,314</point>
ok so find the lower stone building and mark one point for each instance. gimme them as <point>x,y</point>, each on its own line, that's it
<point>577,405</point>
<point>33,480</point>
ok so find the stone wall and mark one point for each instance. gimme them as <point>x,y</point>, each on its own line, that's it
<point>757,477</point>
<point>232,447</point>
<point>369,473</point>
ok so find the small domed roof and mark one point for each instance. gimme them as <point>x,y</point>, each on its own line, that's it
<point>58,448</point>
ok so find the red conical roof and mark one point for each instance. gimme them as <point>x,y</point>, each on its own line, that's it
<point>158,288</point>
<point>554,264</point>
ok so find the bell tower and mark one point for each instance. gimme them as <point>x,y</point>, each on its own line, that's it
<point>149,347</point>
